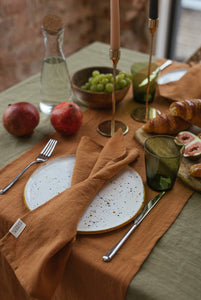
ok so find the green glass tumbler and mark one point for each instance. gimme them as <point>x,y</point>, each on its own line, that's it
<point>163,155</point>
<point>139,73</point>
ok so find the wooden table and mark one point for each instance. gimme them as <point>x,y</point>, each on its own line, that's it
<point>172,270</point>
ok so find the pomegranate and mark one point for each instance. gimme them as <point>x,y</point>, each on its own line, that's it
<point>66,118</point>
<point>21,118</point>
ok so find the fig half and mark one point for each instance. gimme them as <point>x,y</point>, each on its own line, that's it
<point>186,137</point>
<point>193,149</point>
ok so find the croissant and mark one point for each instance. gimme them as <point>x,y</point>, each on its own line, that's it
<point>189,110</point>
<point>195,170</point>
<point>165,123</point>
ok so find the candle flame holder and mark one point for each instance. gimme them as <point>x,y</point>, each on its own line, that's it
<point>109,127</point>
<point>143,114</point>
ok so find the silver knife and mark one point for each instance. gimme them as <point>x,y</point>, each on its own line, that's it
<point>110,254</point>
<point>165,65</point>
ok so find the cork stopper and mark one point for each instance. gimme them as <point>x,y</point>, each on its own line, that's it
<point>52,23</point>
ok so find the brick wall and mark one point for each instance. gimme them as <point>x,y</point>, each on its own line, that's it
<point>21,42</point>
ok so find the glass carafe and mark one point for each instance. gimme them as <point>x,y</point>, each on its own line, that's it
<point>55,79</point>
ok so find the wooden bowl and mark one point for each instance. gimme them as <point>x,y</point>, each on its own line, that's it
<point>95,99</point>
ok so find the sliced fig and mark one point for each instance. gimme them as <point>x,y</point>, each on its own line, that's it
<point>193,149</point>
<point>186,137</point>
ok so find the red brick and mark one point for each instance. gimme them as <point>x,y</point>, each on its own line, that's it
<point>11,7</point>
<point>21,42</point>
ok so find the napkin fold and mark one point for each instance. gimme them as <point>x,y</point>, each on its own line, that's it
<point>187,87</point>
<point>39,255</point>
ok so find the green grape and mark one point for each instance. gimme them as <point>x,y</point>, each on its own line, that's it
<point>95,80</point>
<point>109,87</point>
<point>117,78</point>
<point>83,87</point>
<point>101,76</point>
<point>93,88</point>
<point>95,73</point>
<point>109,76</point>
<point>87,85</point>
<point>122,83</point>
<point>117,86</point>
<point>104,80</point>
<point>90,80</point>
<point>128,80</point>
<point>121,76</point>
<point>100,87</point>
<point>99,82</point>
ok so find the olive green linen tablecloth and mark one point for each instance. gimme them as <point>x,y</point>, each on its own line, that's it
<point>97,54</point>
<point>172,270</point>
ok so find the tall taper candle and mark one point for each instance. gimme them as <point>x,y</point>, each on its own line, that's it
<point>114,25</point>
<point>153,9</point>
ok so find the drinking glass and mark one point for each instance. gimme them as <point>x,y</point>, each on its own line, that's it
<point>144,84</point>
<point>139,73</point>
<point>163,155</point>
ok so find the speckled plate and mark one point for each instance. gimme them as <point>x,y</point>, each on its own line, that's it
<point>116,204</point>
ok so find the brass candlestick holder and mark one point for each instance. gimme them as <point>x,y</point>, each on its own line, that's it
<point>143,114</point>
<point>109,127</point>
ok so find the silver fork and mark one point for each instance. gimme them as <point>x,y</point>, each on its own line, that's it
<point>42,157</point>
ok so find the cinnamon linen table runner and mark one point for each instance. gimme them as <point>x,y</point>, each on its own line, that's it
<point>39,254</point>
<point>85,275</point>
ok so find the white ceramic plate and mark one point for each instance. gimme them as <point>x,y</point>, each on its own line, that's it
<point>172,76</point>
<point>116,204</point>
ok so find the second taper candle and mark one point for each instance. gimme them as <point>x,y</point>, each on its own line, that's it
<point>114,25</point>
<point>153,9</point>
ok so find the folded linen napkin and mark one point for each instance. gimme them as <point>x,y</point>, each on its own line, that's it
<point>187,87</point>
<point>39,255</point>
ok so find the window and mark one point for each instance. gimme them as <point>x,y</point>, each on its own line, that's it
<point>178,34</point>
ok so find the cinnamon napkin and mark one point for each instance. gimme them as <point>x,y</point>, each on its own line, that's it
<point>187,87</point>
<point>39,255</point>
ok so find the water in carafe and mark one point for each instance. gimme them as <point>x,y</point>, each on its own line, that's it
<point>55,79</point>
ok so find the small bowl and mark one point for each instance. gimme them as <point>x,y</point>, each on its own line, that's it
<point>95,99</point>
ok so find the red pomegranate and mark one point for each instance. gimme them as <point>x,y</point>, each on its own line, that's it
<point>66,118</point>
<point>21,118</point>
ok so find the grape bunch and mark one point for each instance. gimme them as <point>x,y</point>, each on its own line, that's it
<point>100,82</point>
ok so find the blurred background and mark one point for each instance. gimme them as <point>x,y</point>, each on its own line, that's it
<point>86,21</point>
